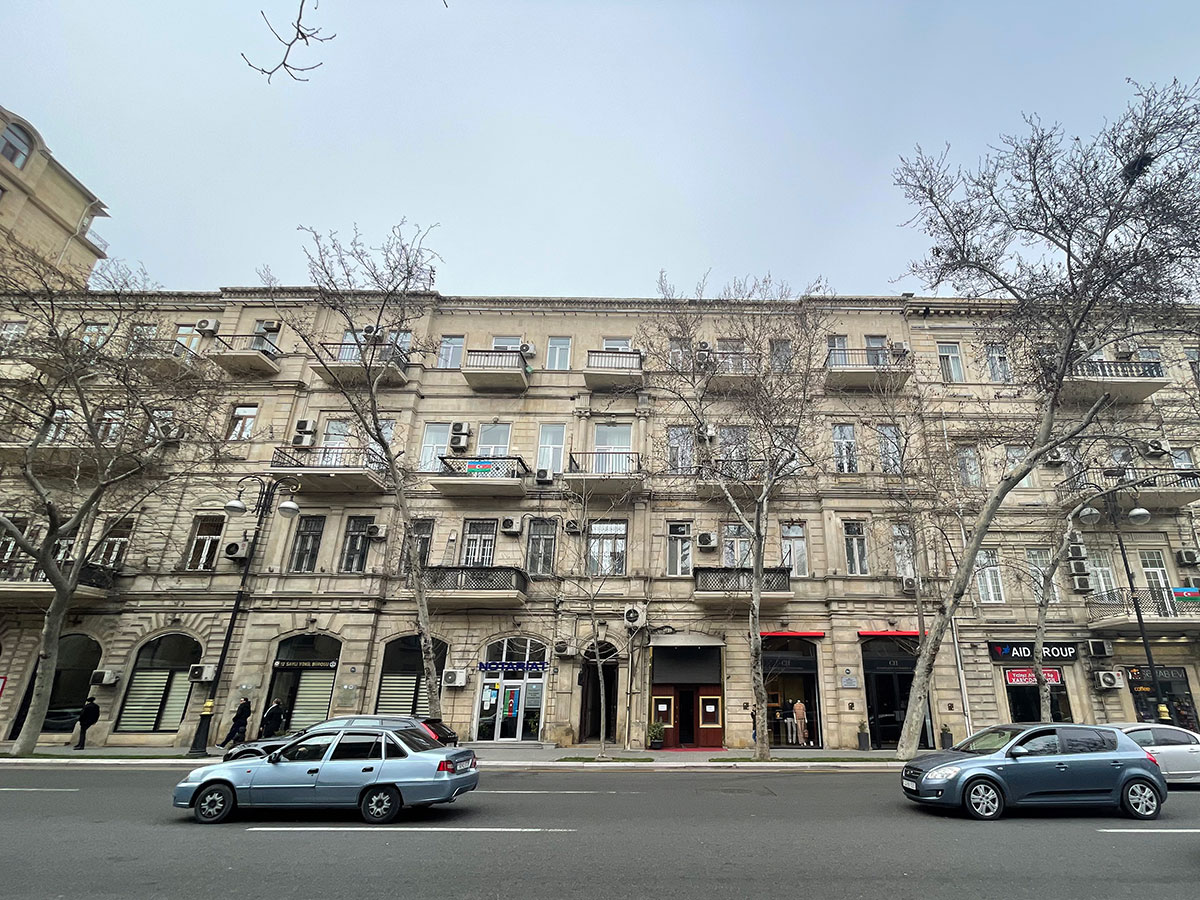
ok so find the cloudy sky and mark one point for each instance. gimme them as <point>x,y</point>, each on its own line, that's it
<point>562,148</point>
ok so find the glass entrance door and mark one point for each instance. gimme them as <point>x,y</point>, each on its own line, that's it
<point>511,695</point>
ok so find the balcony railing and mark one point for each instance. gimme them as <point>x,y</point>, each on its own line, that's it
<point>731,580</point>
<point>329,458</point>
<point>1119,368</point>
<point>90,575</point>
<point>484,466</point>
<point>376,354</point>
<point>630,360</point>
<point>158,349</point>
<point>1154,603</point>
<point>1140,478</point>
<point>494,359</point>
<point>475,578</point>
<point>236,343</point>
<point>605,462</point>
<point>735,362</point>
<point>100,242</point>
<point>869,358</point>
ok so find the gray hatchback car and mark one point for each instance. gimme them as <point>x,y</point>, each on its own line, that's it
<point>1039,765</point>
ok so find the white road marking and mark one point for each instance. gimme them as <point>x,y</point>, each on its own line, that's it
<point>372,828</point>
<point>1149,830</point>
<point>45,790</point>
<point>555,792</point>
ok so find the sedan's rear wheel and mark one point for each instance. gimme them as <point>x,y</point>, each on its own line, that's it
<point>1140,800</point>
<point>983,800</point>
<point>379,805</point>
<point>214,804</point>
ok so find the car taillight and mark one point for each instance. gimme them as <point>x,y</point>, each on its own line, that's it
<point>1150,756</point>
<point>433,734</point>
<point>474,761</point>
<point>447,765</point>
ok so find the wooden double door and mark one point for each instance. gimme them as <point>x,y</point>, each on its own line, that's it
<point>694,714</point>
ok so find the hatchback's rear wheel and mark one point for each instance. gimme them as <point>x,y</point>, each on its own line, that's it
<point>380,805</point>
<point>214,804</point>
<point>1140,800</point>
<point>982,799</point>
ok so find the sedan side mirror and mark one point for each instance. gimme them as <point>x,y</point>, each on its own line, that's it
<point>274,757</point>
<point>1018,752</point>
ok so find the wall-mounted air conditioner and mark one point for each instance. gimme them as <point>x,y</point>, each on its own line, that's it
<point>635,615</point>
<point>1157,447</point>
<point>103,677</point>
<point>571,526</point>
<point>1099,647</point>
<point>1081,584</point>
<point>1078,567</point>
<point>208,326</point>
<point>706,540</point>
<point>1188,556</point>
<point>1110,679</point>
<point>908,585</point>
<point>527,350</point>
<point>236,550</point>
<point>460,427</point>
<point>202,672</point>
<point>510,525</point>
<point>306,426</point>
<point>563,649</point>
<point>454,678</point>
<point>459,442</point>
<point>377,532</point>
<point>303,441</point>
<point>544,476</point>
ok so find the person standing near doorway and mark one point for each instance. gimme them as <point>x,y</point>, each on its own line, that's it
<point>272,719</point>
<point>89,715</point>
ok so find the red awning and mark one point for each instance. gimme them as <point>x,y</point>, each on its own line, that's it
<point>792,633</point>
<point>889,634</point>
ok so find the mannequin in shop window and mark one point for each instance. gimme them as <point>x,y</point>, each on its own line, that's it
<point>800,717</point>
<point>789,724</point>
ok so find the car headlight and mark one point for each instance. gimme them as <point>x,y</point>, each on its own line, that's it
<point>943,773</point>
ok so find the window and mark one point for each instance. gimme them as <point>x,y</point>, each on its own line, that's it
<point>1014,455</point>
<point>613,446</point>
<point>877,354</point>
<point>479,542</point>
<point>15,145</point>
<point>1154,567</point>
<point>854,533</point>
<point>999,369</point>
<point>307,543</point>
<point>111,552</point>
<point>1100,569</point>
<point>1087,740</point>
<point>308,750</point>
<point>904,550</point>
<point>616,343</point>
<point>187,336</point>
<point>355,544</point>
<point>358,747</point>
<point>987,577</point>
<point>109,426</point>
<point>794,554</point>
<point>506,342</point>
<point>1149,354</point>
<point>681,449</point>
<point>845,449</point>
<point>890,455</point>
<point>550,447</point>
<point>334,441</point>
<point>736,545</point>
<point>1181,458</point>
<point>734,441</point>
<point>203,545</point>
<point>11,333</point>
<point>781,356</point>
<point>558,353</point>
<point>1044,743</point>
<point>493,440</point>
<point>967,461</point>
<point>950,362</point>
<point>679,548</point>
<point>60,426</point>
<point>540,552</point>
<point>838,354</point>
<point>421,531</point>
<point>416,740</point>
<point>606,547</point>
<point>95,334</point>
<point>376,451</point>
<point>1171,737</point>
<point>434,443</point>
<point>1037,559</point>
<point>680,350</point>
<point>241,423</point>
<point>450,352</point>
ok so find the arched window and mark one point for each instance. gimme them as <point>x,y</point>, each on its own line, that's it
<point>402,690</point>
<point>78,656</point>
<point>511,690</point>
<point>305,669</point>
<point>15,145</point>
<point>158,688</point>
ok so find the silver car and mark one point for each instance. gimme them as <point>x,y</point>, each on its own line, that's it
<point>378,770</point>
<point>1176,749</point>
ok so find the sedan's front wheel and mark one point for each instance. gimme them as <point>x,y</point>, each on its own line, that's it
<point>1140,800</point>
<point>380,805</point>
<point>214,804</point>
<point>983,800</point>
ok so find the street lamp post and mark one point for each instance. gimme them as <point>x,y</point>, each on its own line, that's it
<point>264,505</point>
<point>1138,516</point>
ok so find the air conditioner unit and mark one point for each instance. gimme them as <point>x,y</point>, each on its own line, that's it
<point>1157,447</point>
<point>270,326</point>
<point>1110,679</point>
<point>706,540</point>
<point>306,426</point>
<point>460,427</point>
<point>564,649</point>
<point>208,326</point>
<point>460,442</point>
<point>377,532</point>
<point>544,476</point>
<point>1055,458</point>
<point>1081,584</point>
<point>900,349</point>
<point>1076,537</point>
<point>703,347</point>
<point>1078,567</point>
<point>527,350</point>
<point>908,585</point>
<point>1076,551</point>
<point>703,358</point>
<point>103,677</point>
<point>706,433</point>
<point>1124,349</point>
<point>1098,647</point>
<point>202,672</point>
<point>510,525</point>
<point>303,441</point>
<point>237,550</point>
<point>1191,581</point>
<point>1189,556</point>
<point>454,678</point>
<point>172,433</point>
<point>635,615</point>
<point>571,526</point>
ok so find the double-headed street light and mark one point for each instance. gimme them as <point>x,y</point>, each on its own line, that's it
<point>264,505</point>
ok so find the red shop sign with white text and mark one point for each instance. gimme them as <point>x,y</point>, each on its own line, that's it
<point>1025,677</point>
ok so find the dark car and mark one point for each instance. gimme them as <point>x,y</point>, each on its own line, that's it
<point>433,727</point>
<point>1039,765</point>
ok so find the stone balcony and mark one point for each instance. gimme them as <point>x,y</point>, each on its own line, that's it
<point>463,587</point>
<point>247,355</point>
<point>496,370</point>
<point>332,469</point>
<point>1125,381</point>
<point>874,368</point>
<point>614,370</point>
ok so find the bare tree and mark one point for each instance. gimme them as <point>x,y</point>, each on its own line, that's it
<point>1080,244</point>
<point>99,415</point>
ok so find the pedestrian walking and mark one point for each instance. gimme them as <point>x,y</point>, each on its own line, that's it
<point>237,728</point>
<point>272,720</point>
<point>89,715</point>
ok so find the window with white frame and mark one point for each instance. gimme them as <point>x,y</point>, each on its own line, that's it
<point>61,424</point>
<point>1100,569</point>
<point>1012,456</point>
<point>781,356</point>
<point>606,546</point>
<point>854,536</point>
<point>794,552</point>
<point>1154,567</point>
<point>11,332</point>
<point>493,440</point>
<point>679,548</point>
<point>434,444</point>
<point>187,336</point>
<point>845,449</point>
<point>1037,560</point>
<point>904,550</point>
<point>420,532</point>
<point>736,545</point>
<point>987,576</point>
<point>967,462</point>
<point>540,551</point>
<point>999,369</point>
<point>558,353</point>
<point>838,350</point>
<point>110,425</point>
<point>877,349</point>
<point>16,145</point>
<point>506,342</point>
<point>679,352</point>
<point>551,438</point>
<point>479,542</point>
<point>450,352</point>
<point>681,449</point>
<point>616,343</point>
<point>613,445</point>
<point>950,362</point>
<point>241,423</point>
<point>95,334</point>
<point>890,453</point>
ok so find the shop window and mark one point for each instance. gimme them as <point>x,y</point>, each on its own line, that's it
<point>304,671</point>
<point>664,710</point>
<point>402,684</point>
<point>204,543</point>
<point>710,711</point>
<point>512,690</point>
<point>158,691</point>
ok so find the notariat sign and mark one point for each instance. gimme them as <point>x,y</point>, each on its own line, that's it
<point>1015,651</point>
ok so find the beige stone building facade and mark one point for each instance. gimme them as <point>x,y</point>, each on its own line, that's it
<point>545,481</point>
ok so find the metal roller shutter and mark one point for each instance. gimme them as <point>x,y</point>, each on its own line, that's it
<point>177,698</point>
<point>396,693</point>
<point>143,700</point>
<point>313,694</point>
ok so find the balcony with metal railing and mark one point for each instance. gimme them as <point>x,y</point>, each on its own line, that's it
<point>496,370</point>
<point>606,472</point>
<point>486,587</point>
<point>871,368</point>
<point>254,355</point>
<point>730,370</point>
<point>1149,487</point>
<point>614,370</point>
<point>167,357</point>
<point>1162,612</point>
<point>363,363</point>
<point>22,582</point>
<point>333,469</point>
<point>480,476</point>
<point>732,585</point>
<point>1124,380</point>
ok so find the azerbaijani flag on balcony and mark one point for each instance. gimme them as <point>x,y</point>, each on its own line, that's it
<point>488,465</point>
<point>1186,594</point>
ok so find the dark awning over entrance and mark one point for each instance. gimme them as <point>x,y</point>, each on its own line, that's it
<point>687,665</point>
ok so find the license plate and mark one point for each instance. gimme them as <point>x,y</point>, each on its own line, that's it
<point>908,785</point>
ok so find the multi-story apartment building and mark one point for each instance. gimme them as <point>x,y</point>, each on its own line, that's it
<point>42,205</point>
<point>545,482</point>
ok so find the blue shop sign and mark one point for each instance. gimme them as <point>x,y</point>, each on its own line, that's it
<point>497,666</point>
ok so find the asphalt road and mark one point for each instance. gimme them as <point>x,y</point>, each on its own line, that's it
<point>105,833</point>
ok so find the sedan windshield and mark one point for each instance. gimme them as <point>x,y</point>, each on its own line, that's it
<point>990,740</point>
<point>416,740</point>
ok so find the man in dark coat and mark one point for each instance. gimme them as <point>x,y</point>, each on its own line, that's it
<point>272,720</point>
<point>237,728</point>
<point>88,716</point>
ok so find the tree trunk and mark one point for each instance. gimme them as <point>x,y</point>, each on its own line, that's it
<point>43,683</point>
<point>600,678</point>
<point>416,570</point>
<point>762,743</point>
<point>1039,640</point>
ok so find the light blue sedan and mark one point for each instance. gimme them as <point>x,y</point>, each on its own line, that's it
<point>378,770</point>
